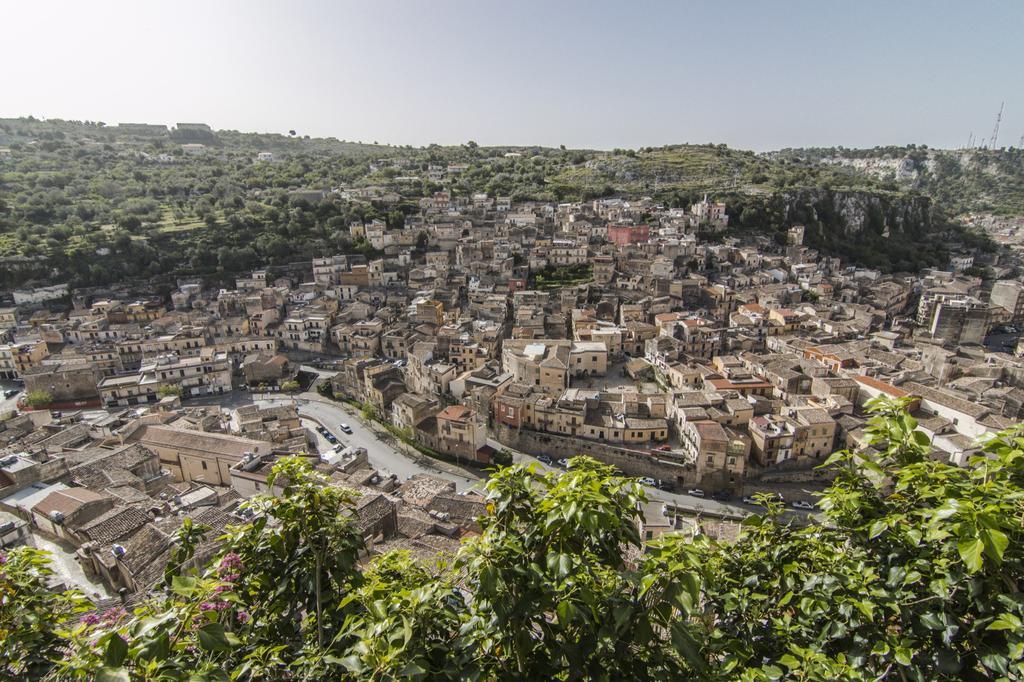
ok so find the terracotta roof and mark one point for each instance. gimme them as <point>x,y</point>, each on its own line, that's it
<point>881,386</point>
<point>68,501</point>
<point>455,413</point>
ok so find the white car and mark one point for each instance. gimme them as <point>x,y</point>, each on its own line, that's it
<point>801,504</point>
<point>648,481</point>
<point>564,463</point>
<point>695,492</point>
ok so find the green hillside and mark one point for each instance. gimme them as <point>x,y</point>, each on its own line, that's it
<point>92,204</point>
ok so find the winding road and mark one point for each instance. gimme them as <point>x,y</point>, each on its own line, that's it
<point>382,455</point>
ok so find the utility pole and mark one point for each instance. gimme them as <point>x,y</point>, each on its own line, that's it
<point>995,131</point>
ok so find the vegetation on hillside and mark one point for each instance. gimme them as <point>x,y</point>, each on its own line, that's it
<point>914,573</point>
<point>960,180</point>
<point>89,204</point>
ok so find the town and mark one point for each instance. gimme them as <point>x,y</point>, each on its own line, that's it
<point>716,369</point>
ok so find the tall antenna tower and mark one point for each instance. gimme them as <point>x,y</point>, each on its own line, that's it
<point>970,140</point>
<point>995,131</point>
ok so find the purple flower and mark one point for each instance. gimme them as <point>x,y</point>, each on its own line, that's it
<point>3,559</point>
<point>90,619</point>
<point>230,561</point>
<point>114,614</point>
<point>243,616</point>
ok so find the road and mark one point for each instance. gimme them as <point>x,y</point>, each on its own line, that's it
<point>389,460</point>
<point>381,454</point>
<point>11,403</point>
<point>695,505</point>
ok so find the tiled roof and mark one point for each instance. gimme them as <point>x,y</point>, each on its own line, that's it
<point>115,524</point>
<point>68,501</point>
<point>195,441</point>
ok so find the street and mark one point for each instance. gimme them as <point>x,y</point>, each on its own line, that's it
<point>8,404</point>
<point>381,454</point>
<point>67,567</point>
<point>389,460</point>
<point>729,509</point>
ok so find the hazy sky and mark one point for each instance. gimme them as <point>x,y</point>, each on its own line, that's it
<point>759,75</point>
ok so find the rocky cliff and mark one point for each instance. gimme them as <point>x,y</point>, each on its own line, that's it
<point>888,230</point>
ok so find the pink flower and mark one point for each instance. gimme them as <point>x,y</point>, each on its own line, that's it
<point>90,619</point>
<point>3,559</point>
<point>114,614</point>
<point>230,577</point>
<point>230,561</point>
<point>243,616</point>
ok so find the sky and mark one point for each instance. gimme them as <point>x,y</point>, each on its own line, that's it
<point>757,75</point>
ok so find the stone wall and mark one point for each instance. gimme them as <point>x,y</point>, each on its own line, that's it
<point>638,463</point>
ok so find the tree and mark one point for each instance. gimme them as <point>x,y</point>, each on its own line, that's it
<point>32,615</point>
<point>38,398</point>
<point>914,574</point>
<point>290,386</point>
<point>168,390</point>
<point>422,240</point>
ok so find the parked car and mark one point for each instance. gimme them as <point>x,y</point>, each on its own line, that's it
<point>747,499</point>
<point>564,463</point>
<point>345,428</point>
<point>648,481</point>
<point>330,438</point>
<point>544,459</point>
<point>802,504</point>
<point>695,492</point>
<point>720,495</point>
<point>664,447</point>
<point>11,392</point>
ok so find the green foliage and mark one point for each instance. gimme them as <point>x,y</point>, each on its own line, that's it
<point>32,616</point>
<point>38,398</point>
<point>368,411</point>
<point>324,388</point>
<point>290,386</point>
<point>94,205</point>
<point>913,574</point>
<point>169,390</point>
<point>556,277</point>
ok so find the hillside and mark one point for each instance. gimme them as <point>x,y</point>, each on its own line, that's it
<point>91,204</point>
<point>962,180</point>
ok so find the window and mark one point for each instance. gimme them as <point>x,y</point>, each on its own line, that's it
<point>204,465</point>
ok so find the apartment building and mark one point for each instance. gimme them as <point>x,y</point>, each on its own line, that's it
<point>207,374</point>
